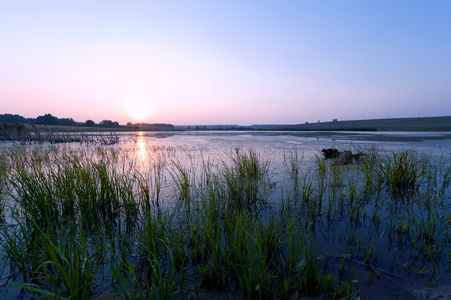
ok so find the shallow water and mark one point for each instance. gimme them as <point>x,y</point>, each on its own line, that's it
<point>383,278</point>
<point>403,277</point>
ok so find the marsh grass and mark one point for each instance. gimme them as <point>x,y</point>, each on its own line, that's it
<point>246,178</point>
<point>28,135</point>
<point>71,264</point>
<point>184,180</point>
<point>82,222</point>
<point>401,173</point>
<point>3,185</point>
<point>292,160</point>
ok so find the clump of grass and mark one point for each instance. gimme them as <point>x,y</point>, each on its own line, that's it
<point>293,160</point>
<point>22,249</point>
<point>3,179</point>
<point>56,263</point>
<point>208,240</point>
<point>70,263</point>
<point>246,179</point>
<point>401,173</point>
<point>183,177</point>
<point>311,279</point>
<point>306,189</point>
<point>35,197</point>
<point>150,183</point>
<point>250,253</point>
<point>428,224</point>
<point>52,186</point>
<point>368,166</point>
<point>160,265</point>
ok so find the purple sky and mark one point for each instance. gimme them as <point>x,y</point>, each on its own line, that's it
<point>225,62</point>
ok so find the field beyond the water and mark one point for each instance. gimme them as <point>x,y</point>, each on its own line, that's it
<point>390,124</point>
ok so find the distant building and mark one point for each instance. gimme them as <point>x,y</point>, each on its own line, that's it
<point>334,120</point>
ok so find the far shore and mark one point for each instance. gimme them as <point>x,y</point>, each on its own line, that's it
<point>375,130</point>
<point>375,136</point>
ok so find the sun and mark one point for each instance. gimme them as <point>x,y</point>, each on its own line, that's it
<point>139,110</point>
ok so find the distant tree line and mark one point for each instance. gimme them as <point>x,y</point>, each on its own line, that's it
<point>109,123</point>
<point>48,119</point>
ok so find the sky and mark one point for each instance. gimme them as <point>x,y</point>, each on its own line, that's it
<point>225,62</point>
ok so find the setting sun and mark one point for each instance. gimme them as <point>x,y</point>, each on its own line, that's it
<point>139,110</point>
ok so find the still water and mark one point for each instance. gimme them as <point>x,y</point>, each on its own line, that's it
<point>276,145</point>
<point>370,243</point>
<point>308,142</point>
<point>384,278</point>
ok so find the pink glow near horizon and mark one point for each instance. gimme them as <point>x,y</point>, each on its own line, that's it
<point>228,63</point>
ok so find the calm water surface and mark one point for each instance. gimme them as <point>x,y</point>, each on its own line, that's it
<point>391,280</point>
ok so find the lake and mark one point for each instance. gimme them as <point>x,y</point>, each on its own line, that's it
<point>229,214</point>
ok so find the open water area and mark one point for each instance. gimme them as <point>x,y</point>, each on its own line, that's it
<point>376,228</point>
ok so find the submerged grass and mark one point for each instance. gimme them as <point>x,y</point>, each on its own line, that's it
<point>84,223</point>
<point>3,185</point>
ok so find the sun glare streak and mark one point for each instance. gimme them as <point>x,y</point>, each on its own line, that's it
<point>142,149</point>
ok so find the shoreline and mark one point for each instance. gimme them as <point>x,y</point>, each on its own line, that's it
<point>337,135</point>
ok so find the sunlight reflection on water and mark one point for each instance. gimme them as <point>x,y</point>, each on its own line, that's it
<point>142,151</point>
